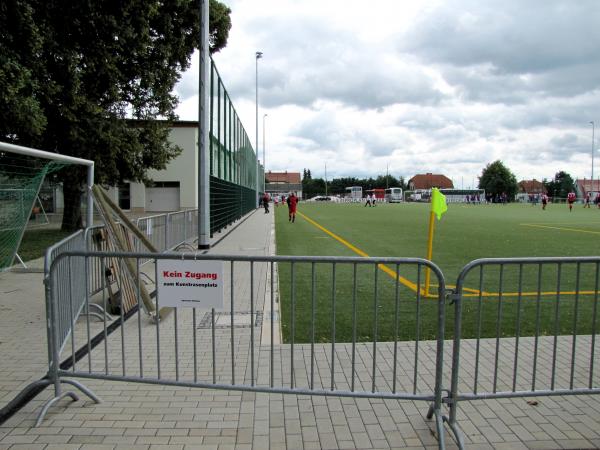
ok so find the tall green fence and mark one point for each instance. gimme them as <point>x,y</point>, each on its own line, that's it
<point>232,160</point>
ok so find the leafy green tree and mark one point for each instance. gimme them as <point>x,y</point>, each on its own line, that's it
<point>312,187</point>
<point>219,25</point>
<point>496,179</point>
<point>306,176</point>
<point>78,70</point>
<point>20,43</point>
<point>337,186</point>
<point>402,183</point>
<point>386,181</point>
<point>561,185</point>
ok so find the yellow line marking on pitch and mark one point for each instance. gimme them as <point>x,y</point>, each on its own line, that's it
<point>413,286</point>
<point>475,293</point>
<point>358,251</point>
<point>531,294</point>
<point>577,230</point>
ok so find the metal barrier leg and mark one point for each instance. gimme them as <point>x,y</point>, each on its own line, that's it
<point>83,389</point>
<point>98,314</point>
<point>457,433</point>
<point>439,424</point>
<point>59,397</point>
<point>51,402</point>
<point>451,420</point>
<point>430,411</point>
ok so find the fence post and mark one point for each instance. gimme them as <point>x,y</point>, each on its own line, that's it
<point>167,227</point>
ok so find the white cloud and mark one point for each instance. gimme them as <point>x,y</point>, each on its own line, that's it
<point>434,86</point>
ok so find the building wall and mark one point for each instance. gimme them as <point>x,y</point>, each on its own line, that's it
<point>182,169</point>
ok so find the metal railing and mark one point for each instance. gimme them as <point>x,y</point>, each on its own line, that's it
<point>354,327</point>
<point>70,290</point>
<point>165,232</point>
<point>210,350</point>
<point>545,319</point>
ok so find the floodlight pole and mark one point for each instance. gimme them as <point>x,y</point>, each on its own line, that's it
<point>593,129</point>
<point>203,130</point>
<point>264,163</point>
<point>387,174</point>
<point>258,56</point>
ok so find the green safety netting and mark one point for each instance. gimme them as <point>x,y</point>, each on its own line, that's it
<point>20,180</point>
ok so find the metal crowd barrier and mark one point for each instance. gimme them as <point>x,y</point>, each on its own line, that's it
<point>167,231</point>
<point>545,320</point>
<point>208,349</point>
<point>532,326</point>
<point>71,291</point>
<point>156,229</point>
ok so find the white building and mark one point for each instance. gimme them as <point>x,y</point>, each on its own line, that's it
<point>173,189</point>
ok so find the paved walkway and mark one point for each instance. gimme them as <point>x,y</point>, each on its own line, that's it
<point>147,416</point>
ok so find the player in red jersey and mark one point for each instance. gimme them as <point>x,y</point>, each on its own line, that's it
<point>292,202</point>
<point>571,199</point>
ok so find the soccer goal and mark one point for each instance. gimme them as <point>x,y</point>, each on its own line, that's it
<point>22,172</point>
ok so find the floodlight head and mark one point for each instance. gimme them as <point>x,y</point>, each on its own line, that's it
<point>259,55</point>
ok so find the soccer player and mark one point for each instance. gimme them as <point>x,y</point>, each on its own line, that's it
<point>292,202</point>
<point>587,200</point>
<point>544,201</point>
<point>570,200</point>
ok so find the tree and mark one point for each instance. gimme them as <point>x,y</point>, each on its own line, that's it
<point>20,42</point>
<point>79,69</point>
<point>496,179</point>
<point>561,185</point>
<point>306,176</point>
<point>219,25</point>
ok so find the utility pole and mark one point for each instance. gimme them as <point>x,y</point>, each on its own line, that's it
<point>258,56</point>
<point>387,174</point>
<point>203,131</point>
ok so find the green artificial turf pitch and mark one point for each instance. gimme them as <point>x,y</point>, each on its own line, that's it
<point>465,233</point>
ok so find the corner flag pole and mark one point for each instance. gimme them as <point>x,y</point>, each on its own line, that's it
<point>438,207</point>
<point>429,250</point>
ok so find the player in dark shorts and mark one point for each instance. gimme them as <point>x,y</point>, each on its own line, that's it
<point>292,202</point>
<point>571,199</point>
<point>544,201</point>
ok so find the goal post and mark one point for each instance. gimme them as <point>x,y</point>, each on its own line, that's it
<point>22,172</point>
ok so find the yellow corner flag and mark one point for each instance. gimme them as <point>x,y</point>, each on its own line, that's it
<point>438,203</point>
<point>438,207</point>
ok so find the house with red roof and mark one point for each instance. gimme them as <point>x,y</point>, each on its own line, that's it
<point>430,180</point>
<point>283,183</point>
<point>531,187</point>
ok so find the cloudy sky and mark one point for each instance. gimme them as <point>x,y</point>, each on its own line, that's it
<point>417,86</point>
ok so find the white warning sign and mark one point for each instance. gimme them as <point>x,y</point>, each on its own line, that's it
<point>190,284</point>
